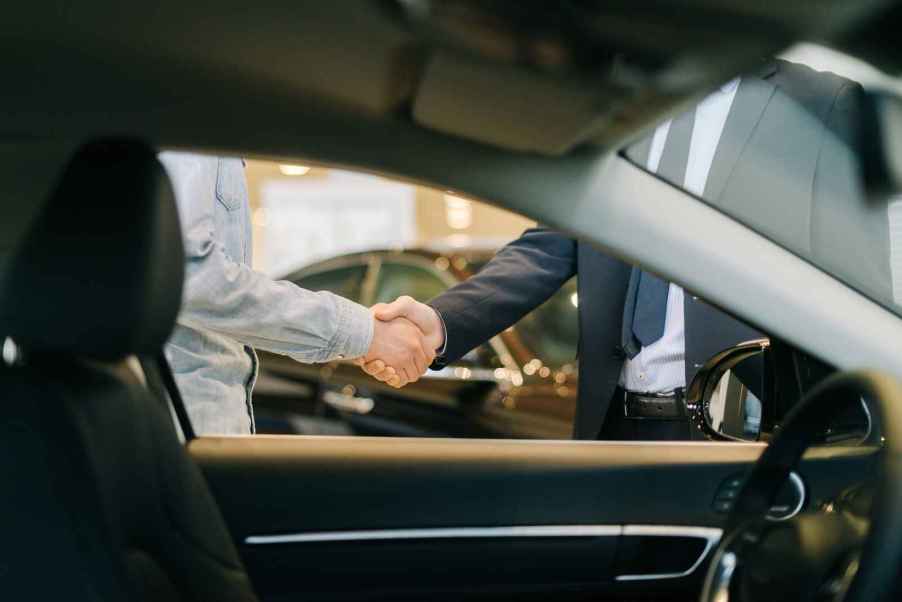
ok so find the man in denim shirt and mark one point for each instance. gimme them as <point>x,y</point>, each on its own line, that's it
<point>228,309</point>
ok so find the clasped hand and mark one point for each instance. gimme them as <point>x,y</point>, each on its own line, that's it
<point>406,335</point>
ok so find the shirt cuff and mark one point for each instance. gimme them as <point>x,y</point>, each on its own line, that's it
<point>440,353</point>
<point>354,333</point>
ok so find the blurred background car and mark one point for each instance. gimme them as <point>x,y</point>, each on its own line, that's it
<point>521,384</point>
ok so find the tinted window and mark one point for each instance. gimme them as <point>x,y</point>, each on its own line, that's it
<point>396,279</point>
<point>552,330</point>
<point>796,177</point>
<point>346,282</point>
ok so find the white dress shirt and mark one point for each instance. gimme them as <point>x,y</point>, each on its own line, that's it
<point>661,367</point>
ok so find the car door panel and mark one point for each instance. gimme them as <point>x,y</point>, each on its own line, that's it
<point>359,517</point>
<point>430,569</point>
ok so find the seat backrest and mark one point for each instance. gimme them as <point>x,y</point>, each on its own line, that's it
<point>99,499</point>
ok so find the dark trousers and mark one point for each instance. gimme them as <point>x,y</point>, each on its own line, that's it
<point>618,427</point>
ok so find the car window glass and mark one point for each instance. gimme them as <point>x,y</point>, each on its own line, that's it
<point>780,150</point>
<point>522,383</point>
<point>396,279</point>
<point>346,282</point>
<point>552,329</point>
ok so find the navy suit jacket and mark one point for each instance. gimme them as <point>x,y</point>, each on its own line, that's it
<point>785,106</point>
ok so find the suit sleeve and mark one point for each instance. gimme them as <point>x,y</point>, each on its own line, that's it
<point>521,276</point>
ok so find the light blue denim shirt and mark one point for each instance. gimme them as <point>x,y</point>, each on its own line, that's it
<point>228,309</point>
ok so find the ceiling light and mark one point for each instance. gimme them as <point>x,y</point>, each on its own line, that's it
<point>10,352</point>
<point>293,170</point>
<point>458,212</point>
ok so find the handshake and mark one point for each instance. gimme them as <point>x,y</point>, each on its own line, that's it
<point>406,336</point>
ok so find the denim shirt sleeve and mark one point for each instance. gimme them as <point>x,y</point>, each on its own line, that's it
<point>228,297</point>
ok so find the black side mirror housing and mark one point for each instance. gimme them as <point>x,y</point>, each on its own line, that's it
<point>730,396</point>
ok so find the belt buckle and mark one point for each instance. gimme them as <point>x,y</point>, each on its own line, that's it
<point>653,406</point>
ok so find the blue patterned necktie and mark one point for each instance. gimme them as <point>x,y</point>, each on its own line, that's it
<point>645,310</point>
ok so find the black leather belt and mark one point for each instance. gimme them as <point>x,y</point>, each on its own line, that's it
<point>654,406</point>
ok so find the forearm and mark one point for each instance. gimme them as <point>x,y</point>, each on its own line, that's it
<point>278,316</point>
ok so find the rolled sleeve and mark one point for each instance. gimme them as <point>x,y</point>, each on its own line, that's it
<point>277,316</point>
<point>354,334</point>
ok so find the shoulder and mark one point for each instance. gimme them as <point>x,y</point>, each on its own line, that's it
<point>816,90</point>
<point>803,75</point>
<point>192,176</point>
<point>180,162</point>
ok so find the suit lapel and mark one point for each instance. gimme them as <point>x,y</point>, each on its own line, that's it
<point>751,99</point>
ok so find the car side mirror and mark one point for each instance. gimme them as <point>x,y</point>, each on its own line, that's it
<point>733,397</point>
<point>728,395</point>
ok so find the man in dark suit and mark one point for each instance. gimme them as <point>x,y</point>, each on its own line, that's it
<point>781,136</point>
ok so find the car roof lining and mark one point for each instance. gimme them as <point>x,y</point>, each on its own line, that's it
<point>605,85</point>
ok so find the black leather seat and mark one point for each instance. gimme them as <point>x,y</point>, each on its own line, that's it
<point>99,499</point>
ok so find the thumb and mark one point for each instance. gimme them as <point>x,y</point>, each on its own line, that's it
<point>397,308</point>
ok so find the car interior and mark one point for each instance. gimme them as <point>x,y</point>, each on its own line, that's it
<point>109,496</point>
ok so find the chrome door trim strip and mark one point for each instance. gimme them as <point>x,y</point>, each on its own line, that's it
<point>711,535</point>
<point>449,533</point>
